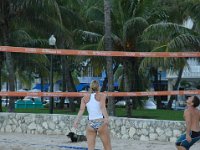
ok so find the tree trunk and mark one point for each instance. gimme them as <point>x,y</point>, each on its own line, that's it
<point>109,61</point>
<point>134,81</point>
<point>42,86</point>
<point>11,81</point>
<point>0,89</point>
<point>6,5</point>
<point>70,86</point>
<point>64,81</point>
<point>105,81</point>
<point>127,88</point>
<point>157,81</point>
<point>9,64</point>
<point>1,65</point>
<point>172,97</point>
<point>159,100</point>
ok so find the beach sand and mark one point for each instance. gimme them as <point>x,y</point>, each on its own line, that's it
<point>19,141</point>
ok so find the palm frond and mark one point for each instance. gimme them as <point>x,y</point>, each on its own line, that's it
<point>71,19</point>
<point>117,43</point>
<point>75,76</point>
<point>98,64</point>
<point>193,9</point>
<point>4,73</point>
<point>35,8</point>
<point>101,44</point>
<point>164,31</point>
<point>118,14</point>
<point>89,47</point>
<point>96,26</point>
<point>25,78</point>
<point>173,64</point>
<point>87,36</point>
<point>95,13</point>
<point>143,8</point>
<point>118,73</point>
<point>147,45</point>
<point>185,41</point>
<point>19,36</point>
<point>134,27</point>
<point>22,38</point>
<point>35,43</point>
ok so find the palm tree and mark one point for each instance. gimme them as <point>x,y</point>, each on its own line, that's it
<point>128,25</point>
<point>63,27</point>
<point>95,38</point>
<point>126,31</point>
<point>43,21</point>
<point>7,11</point>
<point>67,40</point>
<point>11,14</point>
<point>171,37</point>
<point>108,46</point>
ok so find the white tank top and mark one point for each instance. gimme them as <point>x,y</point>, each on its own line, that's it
<point>93,108</point>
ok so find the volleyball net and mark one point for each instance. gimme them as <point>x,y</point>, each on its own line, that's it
<point>71,52</point>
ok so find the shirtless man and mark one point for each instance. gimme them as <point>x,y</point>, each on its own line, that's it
<point>192,119</point>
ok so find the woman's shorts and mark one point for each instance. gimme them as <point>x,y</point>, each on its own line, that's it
<point>96,124</point>
<point>184,143</point>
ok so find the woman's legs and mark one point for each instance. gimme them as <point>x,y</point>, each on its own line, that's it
<point>105,137</point>
<point>91,138</point>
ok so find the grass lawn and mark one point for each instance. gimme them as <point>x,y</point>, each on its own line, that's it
<point>42,111</point>
<point>120,112</point>
<point>153,114</point>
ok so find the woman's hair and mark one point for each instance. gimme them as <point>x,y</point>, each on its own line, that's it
<point>94,86</point>
<point>195,101</point>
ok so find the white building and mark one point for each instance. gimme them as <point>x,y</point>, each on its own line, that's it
<point>191,74</point>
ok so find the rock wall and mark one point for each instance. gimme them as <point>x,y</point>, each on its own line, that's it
<point>125,128</point>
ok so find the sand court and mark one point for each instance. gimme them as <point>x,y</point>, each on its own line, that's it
<point>19,141</point>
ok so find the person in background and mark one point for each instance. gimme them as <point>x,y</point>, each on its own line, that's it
<point>98,119</point>
<point>192,119</point>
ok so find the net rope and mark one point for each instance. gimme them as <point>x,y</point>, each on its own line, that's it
<point>99,53</point>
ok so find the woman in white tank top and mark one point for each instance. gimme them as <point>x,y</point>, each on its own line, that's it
<point>97,117</point>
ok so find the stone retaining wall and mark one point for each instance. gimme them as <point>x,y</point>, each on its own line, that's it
<point>126,128</point>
